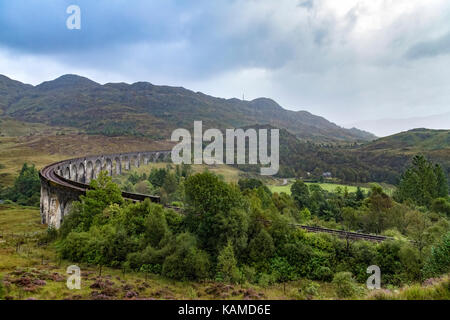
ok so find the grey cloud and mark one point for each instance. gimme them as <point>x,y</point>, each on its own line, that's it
<point>302,53</point>
<point>430,48</point>
<point>308,4</point>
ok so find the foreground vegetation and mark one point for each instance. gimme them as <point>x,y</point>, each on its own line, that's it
<point>34,271</point>
<point>244,234</point>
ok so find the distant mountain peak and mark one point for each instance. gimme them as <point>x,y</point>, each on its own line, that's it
<point>68,81</point>
<point>265,103</point>
<point>8,82</point>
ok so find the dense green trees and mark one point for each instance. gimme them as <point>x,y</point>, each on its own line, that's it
<point>439,261</point>
<point>261,248</point>
<point>26,188</point>
<point>300,194</point>
<point>245,233</point>
<point>103,193</point>
<point>187,261</point>
<point>168,183</point>
<point>216,212</point>
<point>441,205</point>
<point>422,182</point>
<point>249,184</point>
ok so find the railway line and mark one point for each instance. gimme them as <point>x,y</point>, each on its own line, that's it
<point>345,234</point>
<point>49,173</point>
<point>51,176</point>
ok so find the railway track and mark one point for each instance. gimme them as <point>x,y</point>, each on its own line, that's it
<point>345,234</point>
<point>340,233</point>
<point>49,173</point>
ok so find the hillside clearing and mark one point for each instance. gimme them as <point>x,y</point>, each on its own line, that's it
<point>330,187</point>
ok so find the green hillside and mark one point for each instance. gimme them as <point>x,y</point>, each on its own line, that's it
<point>154,111</point>
<point>382,160</point>
<point>413,140</point>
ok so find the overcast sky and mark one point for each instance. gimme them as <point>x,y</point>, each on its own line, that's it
<point>347,60</point>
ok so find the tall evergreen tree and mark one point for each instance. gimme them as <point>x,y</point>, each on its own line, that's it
<point>26,187</point>
<point>227,264</point>
<point>422,182</point>
<point>300,193</point>
<point>442,183</point>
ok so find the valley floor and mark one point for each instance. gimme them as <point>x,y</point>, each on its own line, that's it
<point>30,270</point>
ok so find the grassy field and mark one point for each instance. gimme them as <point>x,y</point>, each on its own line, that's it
<point>330,187</point>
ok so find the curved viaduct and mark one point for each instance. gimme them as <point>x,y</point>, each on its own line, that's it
<point>63,182</point>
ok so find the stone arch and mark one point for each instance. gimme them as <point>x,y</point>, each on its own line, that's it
<point>167,156</point>
<point>108,166</point>
<point>126,162</point>
<point>118,166</point>
<point>136,161</point>
<point>67,173</point>
<point>146,159</point>
<point>81,173</point>
<point>97,168</point>
<point>89,171</point>
<point>74,172</point>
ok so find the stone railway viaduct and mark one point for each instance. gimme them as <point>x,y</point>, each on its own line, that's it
<point>63,182</point>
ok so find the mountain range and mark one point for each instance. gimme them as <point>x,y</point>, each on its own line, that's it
<point>155,111</point>
<point>309,144</point>
<point>387,126</point>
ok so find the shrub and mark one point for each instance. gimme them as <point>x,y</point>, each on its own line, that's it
<point>261,248</point>
<point>388,259</point>
<point>174,220</point>
<point>305,215</point>
<point>345,285</point>
<point>380,294</point>
<point>149,256</point>
<point>322,273</point>
<point>438,291</point>
<point>441,205</point>
<point>312,288</point>
<point>296,294</point>
<point>248,274</point>
<point>227,264</point>
<point>265,280</point>
<point>50,235</point>
<point>187,262</point>
<point>439,261</point>
<point>155,226</point>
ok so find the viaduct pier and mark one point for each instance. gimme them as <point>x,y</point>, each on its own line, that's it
<point>65,181</point>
